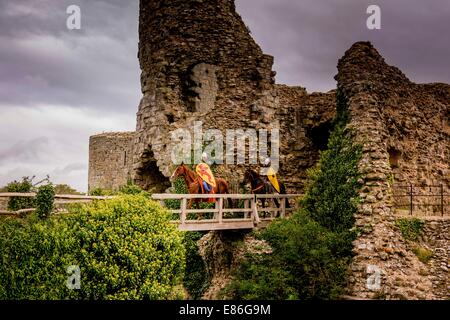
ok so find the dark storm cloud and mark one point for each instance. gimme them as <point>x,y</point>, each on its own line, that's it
<point>44,62</point>
<point>308,37</point>
<point>25,151</point>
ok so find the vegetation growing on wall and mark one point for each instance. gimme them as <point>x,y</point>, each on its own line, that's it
<point>311,250</point>
<point>411,229</point>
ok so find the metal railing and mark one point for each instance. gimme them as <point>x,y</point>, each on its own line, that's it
<point>420,198</point>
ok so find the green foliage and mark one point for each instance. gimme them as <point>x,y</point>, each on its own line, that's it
<point>34,256</point>
<point>308,262</point>
<point>131,188</point>
<point>331,195</point>
<point>196,279</point>
<point>65,189</point>
<point>313,249</point>
<point>411,229</point>
<point>125,248</point>
<point>99,192</point>
<point>44,201</point>
<point>24,186</point>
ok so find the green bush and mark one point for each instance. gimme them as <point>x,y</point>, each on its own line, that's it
<point>44,201</point>
<point>411,229</point>
<point>125,248</point>
<point>24,186</point>
<point>34,256</point>
<point>131,188</point>
<point>308,261</point>
<point>331,194</point>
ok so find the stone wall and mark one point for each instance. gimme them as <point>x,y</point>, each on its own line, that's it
<point>437,238</point>
<point>389,111</point>
<point>110,156</point>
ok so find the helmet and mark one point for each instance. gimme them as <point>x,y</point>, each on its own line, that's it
<point>205,157</point>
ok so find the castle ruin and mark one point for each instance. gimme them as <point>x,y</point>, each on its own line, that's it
<point>199,62</point>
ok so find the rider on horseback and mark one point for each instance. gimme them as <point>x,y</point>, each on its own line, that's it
<point>204,172</point>
<point>271,175</point>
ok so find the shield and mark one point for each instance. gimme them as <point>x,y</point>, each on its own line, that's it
<point>271,175</point>
<point>205,173</point>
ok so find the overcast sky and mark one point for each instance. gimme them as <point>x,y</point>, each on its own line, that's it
<point>58,87</point>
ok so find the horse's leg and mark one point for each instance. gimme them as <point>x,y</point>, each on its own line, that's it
<point>283,191</point>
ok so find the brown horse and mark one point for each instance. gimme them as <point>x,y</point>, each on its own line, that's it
<point>193,182</point>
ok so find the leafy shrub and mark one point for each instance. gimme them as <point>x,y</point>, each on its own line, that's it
<point>331,195</point>
<point>99,192</point>
<point>411,229</point>
<point>308,261</point>
<point>44,201</point>
<point>34,256</point>
<point>125,248</point>
<point>131,188</point>
<point>24,186</point>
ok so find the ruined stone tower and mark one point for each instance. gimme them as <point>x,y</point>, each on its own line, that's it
<point>199,63</point>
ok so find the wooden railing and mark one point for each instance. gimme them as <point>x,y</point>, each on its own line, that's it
<point>59,199</point>
<point>250,215</point>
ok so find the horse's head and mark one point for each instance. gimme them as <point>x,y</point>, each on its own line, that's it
<point>179,172</point>
<point>248,176</point>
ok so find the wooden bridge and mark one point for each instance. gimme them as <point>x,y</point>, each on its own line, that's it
<point>247,214</point>
<point>250,213</point>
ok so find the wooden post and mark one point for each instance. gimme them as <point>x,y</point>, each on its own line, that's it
<point>183,210</point>
<point>246,206</point>
<point>283,208</point>
<point>255,214</point>
<point>220,210</point>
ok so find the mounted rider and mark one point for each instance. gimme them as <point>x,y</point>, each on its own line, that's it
<point>271,174</point>
<point>207,180</point>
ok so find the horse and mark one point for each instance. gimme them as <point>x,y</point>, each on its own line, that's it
<point>193,182</point>
<point>262,186</point>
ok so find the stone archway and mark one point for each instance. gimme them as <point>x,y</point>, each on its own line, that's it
<point>149,176</point>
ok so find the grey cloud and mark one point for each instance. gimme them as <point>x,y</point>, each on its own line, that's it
<point>44,62</point>
<point>308,37</point>
<point>73,167</point>
<point>25,151</point>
